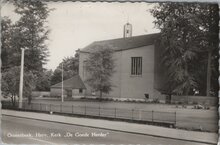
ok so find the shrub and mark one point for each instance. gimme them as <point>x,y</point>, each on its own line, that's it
<point>156,100</point>
<point>46,95</point>
<point>195,103</point>
<point>180,103</point>
<point>110,99</point>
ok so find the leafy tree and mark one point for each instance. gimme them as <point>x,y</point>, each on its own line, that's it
<point>189,40</point>
<point>43,81</point>
<point>10,83</point>
<point>7,30</point>
<point>30,31</point>
<point>57,76</point>
<point>100,67</point>
<point>70,68</point>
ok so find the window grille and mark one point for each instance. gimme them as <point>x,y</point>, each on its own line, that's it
<point>136,65</point>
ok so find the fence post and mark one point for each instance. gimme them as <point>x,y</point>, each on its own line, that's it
<point>152,116</point>
<point>60,107</point>
<point>72,109</point>
<point>99,111</point>
<point>132,111</point>
<point>115,112</point>
<point>24,107</point>
<point>175,118</point>
<point>31,106</point>
<point>85,109</point>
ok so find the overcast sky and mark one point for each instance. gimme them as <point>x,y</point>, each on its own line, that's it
<point>75,25</point>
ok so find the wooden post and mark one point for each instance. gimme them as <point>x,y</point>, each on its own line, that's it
<point>132,114</point>
<point>72,109</point>
<point>85,109</point>
<point>115,112</point>
<point>152,116</point>
<point>175,118</point>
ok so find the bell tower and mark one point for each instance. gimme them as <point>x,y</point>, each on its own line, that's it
<point>127,30</point>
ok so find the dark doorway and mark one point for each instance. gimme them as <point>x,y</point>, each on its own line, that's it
<point>80,91</point>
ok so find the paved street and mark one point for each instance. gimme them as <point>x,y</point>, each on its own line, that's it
<point>51,131</point>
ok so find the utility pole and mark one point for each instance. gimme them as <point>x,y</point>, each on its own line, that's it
<point>62,85</point>
<point>21,79</point>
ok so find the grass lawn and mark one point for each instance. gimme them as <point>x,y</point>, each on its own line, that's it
<point>187,118</point>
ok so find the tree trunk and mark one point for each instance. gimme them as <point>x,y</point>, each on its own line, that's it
<point>208,85</point>
<point>12,102</point>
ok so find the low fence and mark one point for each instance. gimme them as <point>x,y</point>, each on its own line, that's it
<point>154,117</point>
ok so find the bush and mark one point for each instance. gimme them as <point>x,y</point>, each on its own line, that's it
<point>180,103</point>
<point>195,103</point>
<point>156,100</point>
<point>55,96</point>
<point>110,99</point>
<point>46,96</point>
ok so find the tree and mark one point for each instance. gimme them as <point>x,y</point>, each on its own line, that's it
<point>189,34</point>
<point>33,32</point>
<point>43,82</point>
<point>10,83</point>
<point>70,68</point>
<point>7,30</point>
<point>100,67</point>
<point>30,31</point>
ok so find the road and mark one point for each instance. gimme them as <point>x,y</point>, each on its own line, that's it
<point>42,132</point>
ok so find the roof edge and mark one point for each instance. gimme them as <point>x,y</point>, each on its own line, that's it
<point>83,51</point>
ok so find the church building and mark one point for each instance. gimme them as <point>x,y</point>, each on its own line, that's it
<point>136,73</point>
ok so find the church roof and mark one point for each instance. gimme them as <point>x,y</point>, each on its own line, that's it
<point>73,83</point>
<point>124,43</point>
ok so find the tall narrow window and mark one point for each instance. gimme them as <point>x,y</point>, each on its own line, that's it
<point>136,65</point>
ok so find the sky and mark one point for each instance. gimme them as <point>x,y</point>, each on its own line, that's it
<point>74,25</point>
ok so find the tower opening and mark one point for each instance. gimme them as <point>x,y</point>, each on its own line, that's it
<point>127,30</point>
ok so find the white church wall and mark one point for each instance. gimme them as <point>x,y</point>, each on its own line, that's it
<point>124,84</point>
<point>137,86</point>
